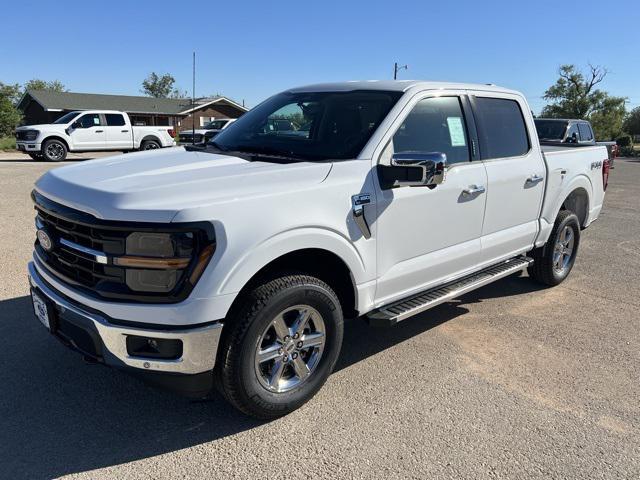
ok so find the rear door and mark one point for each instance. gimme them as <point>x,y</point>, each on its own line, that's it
<point>118,133</point>
<point>89,133</point>
<point>516,174</point>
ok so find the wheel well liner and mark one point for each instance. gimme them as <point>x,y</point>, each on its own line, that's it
<point>151,137</point>
<point>323,264</point>
<point>578,202</point>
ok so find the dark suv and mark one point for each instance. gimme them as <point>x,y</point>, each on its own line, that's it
<point>564,131</point>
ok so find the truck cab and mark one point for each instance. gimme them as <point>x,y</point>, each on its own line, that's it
<point>237,264</point>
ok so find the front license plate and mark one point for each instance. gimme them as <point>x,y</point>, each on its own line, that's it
<point>40,309</point>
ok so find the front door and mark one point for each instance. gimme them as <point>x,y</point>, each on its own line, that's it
<point>89,133</point>
<point>429,235</point>
<point>516,174</point>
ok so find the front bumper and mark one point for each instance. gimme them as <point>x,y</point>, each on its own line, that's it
<point>106,340</point>
<point>28,147</point>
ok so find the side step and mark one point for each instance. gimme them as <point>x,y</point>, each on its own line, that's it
<point>395,312</point>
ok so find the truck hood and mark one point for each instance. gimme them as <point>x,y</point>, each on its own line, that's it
<point>155,185</point>
<point>43,126</point>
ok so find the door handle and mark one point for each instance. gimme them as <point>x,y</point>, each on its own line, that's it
<point>124,131</point>
<point>533,179</point>
<point>472,190</point>
<point>99,131</point>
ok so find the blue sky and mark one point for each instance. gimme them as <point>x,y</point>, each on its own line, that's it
<point>250,50</point>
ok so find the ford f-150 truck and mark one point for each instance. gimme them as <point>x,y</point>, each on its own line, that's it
<point>235,265</point>
<point>90,131</point>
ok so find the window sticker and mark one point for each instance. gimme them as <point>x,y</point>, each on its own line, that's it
<point>456,131</point>
<point>96,120</point>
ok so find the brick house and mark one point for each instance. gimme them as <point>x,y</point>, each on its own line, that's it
<point>43,106</point>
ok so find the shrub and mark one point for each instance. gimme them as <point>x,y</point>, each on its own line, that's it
<point>7,143</point>
<point>625,141</point>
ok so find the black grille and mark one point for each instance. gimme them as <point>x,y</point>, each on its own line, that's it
<point>22,135</point>
<point>82,270</point>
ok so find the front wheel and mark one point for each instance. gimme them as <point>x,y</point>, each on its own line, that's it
<point>54,151</point>
<point>553,261</point>
<point>280,346</point>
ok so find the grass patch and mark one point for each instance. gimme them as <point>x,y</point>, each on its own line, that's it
<point>7,143</point>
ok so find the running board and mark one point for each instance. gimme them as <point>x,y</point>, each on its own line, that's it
<point>395,312</point>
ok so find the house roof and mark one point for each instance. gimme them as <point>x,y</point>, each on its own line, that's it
<point>56,101</point>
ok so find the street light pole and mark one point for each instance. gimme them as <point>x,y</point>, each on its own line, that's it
<point>396,68</point>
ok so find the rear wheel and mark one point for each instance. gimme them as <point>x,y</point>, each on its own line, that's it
<point>54,151</point>
<point>149,145</point>
<point>280,346</point>
<point>553,262</point>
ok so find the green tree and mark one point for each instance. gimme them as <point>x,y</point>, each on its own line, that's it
<point>632,122</point>
<point>574,95</point>
<point>10,116</point>
<point>37,84</point>
<point>159,86</point>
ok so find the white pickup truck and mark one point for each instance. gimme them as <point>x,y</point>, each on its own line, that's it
<point>236,265</point>
<point>90,131</point>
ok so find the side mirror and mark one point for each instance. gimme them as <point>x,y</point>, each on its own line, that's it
<point>416,169</point>
<point>76,124</point>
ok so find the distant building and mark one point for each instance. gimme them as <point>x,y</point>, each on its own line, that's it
<point>44,106</point>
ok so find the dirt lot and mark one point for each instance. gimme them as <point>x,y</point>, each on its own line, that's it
<point>512,381</point>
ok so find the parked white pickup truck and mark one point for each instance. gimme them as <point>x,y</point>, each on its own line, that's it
<point>89,131</point>
<point>236,265</point>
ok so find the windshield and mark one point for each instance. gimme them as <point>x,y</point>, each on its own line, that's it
<point>309,125</point>
<point>215,124</point>
<point>551,129</point>
<point>66,118</point>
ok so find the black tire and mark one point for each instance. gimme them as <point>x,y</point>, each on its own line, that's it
<point>149,145</point>
<point>36,156</point>
<point>54,151</point>
<point>545,268</point>
<point>238,372</point>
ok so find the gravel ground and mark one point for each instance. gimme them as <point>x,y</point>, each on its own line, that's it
<point>512,381</point>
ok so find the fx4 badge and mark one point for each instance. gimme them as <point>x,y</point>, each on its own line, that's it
<point>595,165</point>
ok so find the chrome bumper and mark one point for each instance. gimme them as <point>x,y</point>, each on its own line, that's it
<point>199,345</point>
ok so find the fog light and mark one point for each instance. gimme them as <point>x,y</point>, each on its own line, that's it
<point>147,347</point>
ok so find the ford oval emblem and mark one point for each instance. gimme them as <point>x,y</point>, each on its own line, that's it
<point>45,240</point>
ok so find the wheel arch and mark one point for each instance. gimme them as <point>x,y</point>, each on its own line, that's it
<point>318,262</point>
<point>56,137</point>
<point>578,202</point>
<point>149,138</point>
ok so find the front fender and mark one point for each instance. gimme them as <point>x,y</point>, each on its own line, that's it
<point>289,241</point>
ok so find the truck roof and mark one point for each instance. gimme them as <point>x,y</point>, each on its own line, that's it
<point>396,85</point>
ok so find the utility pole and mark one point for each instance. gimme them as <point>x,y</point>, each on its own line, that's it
<point>396,68</point>
<point>193,103</point>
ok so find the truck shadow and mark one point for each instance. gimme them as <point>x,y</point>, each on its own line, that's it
<point>61,416</point>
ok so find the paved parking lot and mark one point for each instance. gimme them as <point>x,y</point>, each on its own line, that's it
<point>513,380</point>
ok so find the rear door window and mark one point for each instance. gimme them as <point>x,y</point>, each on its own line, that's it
<point>114,119</point>
<point>585,132</point>
<point>501,128</point>
<point>435,125</point>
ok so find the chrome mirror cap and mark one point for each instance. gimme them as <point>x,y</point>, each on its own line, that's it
<point>431,164</point>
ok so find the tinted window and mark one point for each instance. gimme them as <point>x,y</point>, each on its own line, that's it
<point>585,132</point>
<point>114,119</point>
<point>89,120</point>
<point>501,128</point>
<point>435,125</point>
<point>550,129</point>
<point>66,118</point>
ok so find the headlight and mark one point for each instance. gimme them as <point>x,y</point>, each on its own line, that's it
<point>157,262</point>
<point>31,135</point>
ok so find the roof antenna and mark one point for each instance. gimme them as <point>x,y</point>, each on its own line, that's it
<point>193,103</point>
